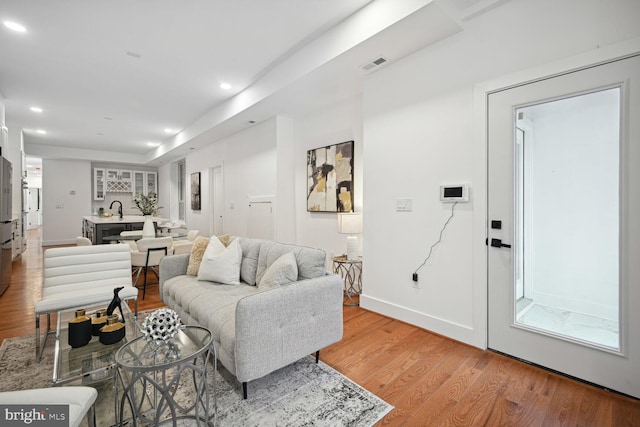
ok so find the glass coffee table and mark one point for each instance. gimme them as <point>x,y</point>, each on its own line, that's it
<point>93,362</point>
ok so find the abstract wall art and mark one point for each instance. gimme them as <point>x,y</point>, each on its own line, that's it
<point>330,178</point>
<point>195,191</point>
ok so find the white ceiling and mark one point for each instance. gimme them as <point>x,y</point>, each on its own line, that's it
<point>111,75</point>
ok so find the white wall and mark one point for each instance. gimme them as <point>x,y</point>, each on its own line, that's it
<point>420,131</point>
<point>269,159</point>
<point>249,168</point>
<point>62,210</point>
<point>333,125</point>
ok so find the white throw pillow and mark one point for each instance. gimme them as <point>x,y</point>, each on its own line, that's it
<point>220,264</point>
<point>284,270</point>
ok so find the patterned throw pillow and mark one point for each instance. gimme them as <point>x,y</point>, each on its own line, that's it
<point>198,249</point>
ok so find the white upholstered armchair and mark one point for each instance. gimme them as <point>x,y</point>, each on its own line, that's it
<point>82,276</point>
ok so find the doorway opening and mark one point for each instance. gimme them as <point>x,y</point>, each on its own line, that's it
<point>567,217</point>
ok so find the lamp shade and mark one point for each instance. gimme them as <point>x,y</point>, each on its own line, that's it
<point>350,223</point>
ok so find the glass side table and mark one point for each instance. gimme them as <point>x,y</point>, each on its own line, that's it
<point>147,372</point>
<point>351,273</point>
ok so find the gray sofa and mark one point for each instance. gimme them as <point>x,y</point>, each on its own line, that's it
<point>259,331</point>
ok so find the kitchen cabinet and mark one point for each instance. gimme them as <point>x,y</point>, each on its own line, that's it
<point>119,175</point>
<point>99,184</point>
<point>106,180</point>
<point>119,181</point>
<point>145,183</point>
<point>96,228</point>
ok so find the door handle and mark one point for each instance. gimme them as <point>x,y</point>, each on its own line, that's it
<point>497,243</point>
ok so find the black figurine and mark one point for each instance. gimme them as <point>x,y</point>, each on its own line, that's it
<point>116,302</point>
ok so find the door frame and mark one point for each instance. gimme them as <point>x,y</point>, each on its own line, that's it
<point>216,203</point>
<point>481,93</point>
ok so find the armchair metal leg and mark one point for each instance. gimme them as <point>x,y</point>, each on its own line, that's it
<point>244,390</point>
<point>91,416</point>
<point>40,344</point>
<point>317,356</point>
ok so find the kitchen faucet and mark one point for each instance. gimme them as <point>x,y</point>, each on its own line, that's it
<point>119,208</point>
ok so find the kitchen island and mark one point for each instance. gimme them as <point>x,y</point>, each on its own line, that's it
<point>95,227</point>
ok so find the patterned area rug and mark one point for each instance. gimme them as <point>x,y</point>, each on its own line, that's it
<point>301,394</point>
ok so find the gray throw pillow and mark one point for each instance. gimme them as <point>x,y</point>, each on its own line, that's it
<point>283,271</point>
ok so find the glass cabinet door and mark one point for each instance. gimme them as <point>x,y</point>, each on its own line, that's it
<point>98,184</point>
<point>138,183</point>
<point>152,183</point>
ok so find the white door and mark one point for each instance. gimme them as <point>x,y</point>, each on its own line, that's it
<point>564,223</point>
<point>260,220</point>
<point>216,201</point>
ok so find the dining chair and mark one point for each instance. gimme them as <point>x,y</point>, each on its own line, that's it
<point>184,246</point>
<point>83,241</point>
<point>148,255</point>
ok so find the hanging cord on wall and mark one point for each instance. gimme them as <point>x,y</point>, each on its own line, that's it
<point>415,273</point>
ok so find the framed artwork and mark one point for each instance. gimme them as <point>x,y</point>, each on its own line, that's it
<point>330,178</point>
<point>195,191</point>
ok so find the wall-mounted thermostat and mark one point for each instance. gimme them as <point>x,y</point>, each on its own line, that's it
<point>454,193</point>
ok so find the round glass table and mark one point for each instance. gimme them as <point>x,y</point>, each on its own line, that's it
<point>162,384</point>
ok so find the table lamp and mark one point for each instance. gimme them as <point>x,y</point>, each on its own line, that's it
<point>350,223</point>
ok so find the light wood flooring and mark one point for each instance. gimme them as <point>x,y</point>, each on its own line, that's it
<point>431,380</point>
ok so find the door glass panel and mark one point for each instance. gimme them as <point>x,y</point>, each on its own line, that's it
<point>567,218</point>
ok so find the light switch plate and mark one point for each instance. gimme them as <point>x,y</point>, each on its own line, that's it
<point>404,205</point>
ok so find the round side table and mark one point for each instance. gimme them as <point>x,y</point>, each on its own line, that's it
<point>351,272</point>
<point>150,375</point>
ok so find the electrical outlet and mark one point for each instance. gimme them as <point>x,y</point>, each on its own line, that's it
<point>404,205</point>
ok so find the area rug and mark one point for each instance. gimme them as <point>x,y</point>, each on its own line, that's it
<point>301,394</point>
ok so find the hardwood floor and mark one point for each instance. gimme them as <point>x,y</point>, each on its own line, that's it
<point>431,380</point>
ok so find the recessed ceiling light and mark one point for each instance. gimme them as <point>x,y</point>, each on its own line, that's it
<point>36,109</point>
<point>133,54</point>
<point>153,144</point>
<point>225,86</point>
<point>108,118</point>
<point>169,130</point>
<point>42,132</point>
<point>15,26</point>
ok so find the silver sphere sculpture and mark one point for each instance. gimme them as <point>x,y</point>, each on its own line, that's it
<point>160,326</point>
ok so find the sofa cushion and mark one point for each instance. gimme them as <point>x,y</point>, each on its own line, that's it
<point>311,262</point>
<point>249,265</point>
<point>199,303</point>
<point>220,264</point>
<point>284,270</point>
<point>197,252</point>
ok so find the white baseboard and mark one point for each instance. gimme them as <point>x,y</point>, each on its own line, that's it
<point>440,326</point>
